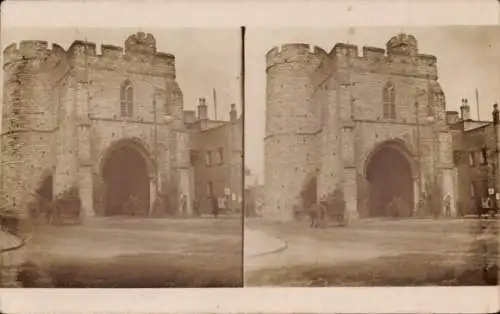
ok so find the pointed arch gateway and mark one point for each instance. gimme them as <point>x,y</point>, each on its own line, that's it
<point>127,172</point>
<point>390,173</point>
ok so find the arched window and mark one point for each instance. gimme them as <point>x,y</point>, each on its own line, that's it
<point>126,99</point>
<point>389,98</point>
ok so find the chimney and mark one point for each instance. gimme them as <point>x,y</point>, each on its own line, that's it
<point>496,117</point>
<point>202,109</point>
<point>452,117</point>
<point>233,114</point>
<point>465,109</point>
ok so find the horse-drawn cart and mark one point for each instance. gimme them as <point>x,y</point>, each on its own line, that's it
<point>335,207</point>
<point>331,207</point>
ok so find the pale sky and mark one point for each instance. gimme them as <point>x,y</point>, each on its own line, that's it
<point>468,57</point>
<point>206,58</point>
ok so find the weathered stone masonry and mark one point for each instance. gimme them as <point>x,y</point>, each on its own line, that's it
<point>326,118</point>
<point>62,115</point>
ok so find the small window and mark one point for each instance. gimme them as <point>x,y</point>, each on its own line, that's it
<point>456,157</point>
<point>192,157</point>
<point>472,159</point>
<point>210,189</point>
<point>208,158</point>
<point>220,156</point>
<point>126,99</point>
<point>472,190</point>
<point>484,156</point>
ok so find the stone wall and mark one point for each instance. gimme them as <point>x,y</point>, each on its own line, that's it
<point>32,76</point>
<point>62,112</point>
<point>325,115</point>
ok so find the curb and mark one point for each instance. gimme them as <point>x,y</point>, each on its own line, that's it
<point>281,248</point>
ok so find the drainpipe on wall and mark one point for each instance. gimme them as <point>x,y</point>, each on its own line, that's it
<point>419,158</point>
<point>156,91</point>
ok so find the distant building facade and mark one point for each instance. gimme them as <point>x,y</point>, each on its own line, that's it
<point>373,126</point>
<point>476,156</point>
<point>216,149</point>
<point>111,125</point>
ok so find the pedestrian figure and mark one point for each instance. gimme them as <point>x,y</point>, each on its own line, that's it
<point>215,206</point>
<point>447,206</point>
<point>184,205</point>
<point>196,208</point>
<point>297,209</point>
<point>393,207</point>
<point>460,208</point>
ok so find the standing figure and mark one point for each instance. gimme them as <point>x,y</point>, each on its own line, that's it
<point>298,209</point>
<point>447,205</point>
<point>196,208</point>
<point>395,207</point>
<point>215,206</point>
<point>460,208</point>
<point>183,205</point>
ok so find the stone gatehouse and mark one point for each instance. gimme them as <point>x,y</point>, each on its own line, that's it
<point>371,124</point>
<point>109,124</point>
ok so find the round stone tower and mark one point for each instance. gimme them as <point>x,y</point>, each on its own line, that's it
<point>290,126</point>
<point>28,120</point>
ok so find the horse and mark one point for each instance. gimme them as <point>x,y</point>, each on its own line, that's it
<point>317,214</point>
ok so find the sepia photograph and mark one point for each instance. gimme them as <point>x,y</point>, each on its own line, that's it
<point>121,158</point>
<point>297,156</point>
<point>372,156</point>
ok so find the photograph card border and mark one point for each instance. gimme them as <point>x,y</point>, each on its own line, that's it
<point>251,14</point>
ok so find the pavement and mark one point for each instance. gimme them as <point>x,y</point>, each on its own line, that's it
<point>11,258</point>
<point>118,236</point>
<point>366,240</point>
<point>258,243</point>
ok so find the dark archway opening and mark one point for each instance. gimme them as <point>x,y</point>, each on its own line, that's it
<point>390,180</point>
<point>126,183</point>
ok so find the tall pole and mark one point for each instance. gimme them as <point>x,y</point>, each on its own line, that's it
<point>477,104</point>
<point>215,104</point>
<point>155,130</point>
<point>241,163</point>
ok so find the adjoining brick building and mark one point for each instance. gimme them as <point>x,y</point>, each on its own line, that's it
<point>217,157</point>
<point>110,125</point>
<point>476,145</point>
<point>373,125</point>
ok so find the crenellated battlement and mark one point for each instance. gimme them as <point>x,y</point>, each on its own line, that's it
<point>31,50</point>
<point>295,52</point>
<point>373,53</point>
<point>394,60</point>
<point>139,48</point>
<point>400,57</point>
